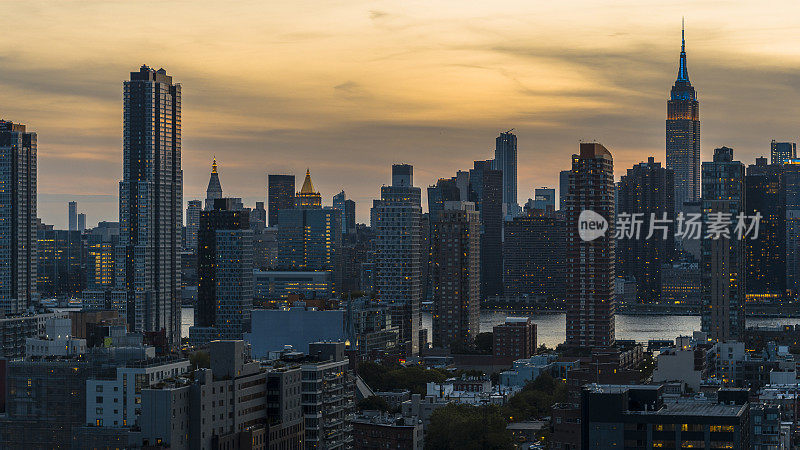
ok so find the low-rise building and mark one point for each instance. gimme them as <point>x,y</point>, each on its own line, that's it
<point>374,430</point>
<point>15,330</point>
<point>57,340</point>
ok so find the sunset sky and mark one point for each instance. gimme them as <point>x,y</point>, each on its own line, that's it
<point>349,87</point>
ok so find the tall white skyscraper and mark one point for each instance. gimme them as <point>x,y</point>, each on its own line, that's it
<point>150,203</point>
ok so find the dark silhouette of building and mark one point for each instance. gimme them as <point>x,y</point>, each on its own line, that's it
<point>280,195</point>
<point>590,266</point>
<point>486,191</point>
<point>647,190</point>
<point>722,264</point>
<point>225,244</point>
<point>766,256</point>
<point>151,203</point>
<point>60,262</point>
<point>505,160</point>
<point>683,136</point>
<point>534,258</point>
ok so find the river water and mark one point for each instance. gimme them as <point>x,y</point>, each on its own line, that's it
<point>551,327</point>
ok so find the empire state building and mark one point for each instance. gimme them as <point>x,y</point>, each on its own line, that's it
<point>683,136</point>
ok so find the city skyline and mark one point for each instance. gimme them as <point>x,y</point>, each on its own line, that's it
<point>560,82</point>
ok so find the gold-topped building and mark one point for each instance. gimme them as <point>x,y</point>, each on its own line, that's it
<point>307,198</point>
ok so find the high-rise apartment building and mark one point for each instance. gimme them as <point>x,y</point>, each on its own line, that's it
<point>280,195</point>
<point>766,256</point>
<point>398,253</point>
<point>81,222</point>
<point>60,261</point>
<point>17,217</point>
<point>782,152</point>
<point>505,159</point>
<point>645,192</point>
<point>590,266</point>
<point>225,272</point>
<point>348,209</point>
<point>72,216</point>
<point>455,253</point>
<point>486,190</point>
<point>683,136</point>
<point>151,203</point>
<point>308,198</point>
<point>214,189</point>
<point>193,223</point>
<point>533,258</point>
<point>722,264</point>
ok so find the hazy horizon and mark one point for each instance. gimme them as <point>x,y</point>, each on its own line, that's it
<point>347,88</point>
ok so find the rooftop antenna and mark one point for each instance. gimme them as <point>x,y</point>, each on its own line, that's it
<point>683,35</point>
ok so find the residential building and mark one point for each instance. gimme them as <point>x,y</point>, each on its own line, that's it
<point>723,254</point>
<point>645,193</point>
<point>590,267</point>
<point>278,285</point>
<point>514,339</point>
<point>534,263</point>
<point>398,253</point>
<point>766,255</point>
<point>151,203</point>
<point>309,239</point>
<point>193,224</point>
<point>455,253</point>
<point>375,430</point>
<point>18,239</point>
<point>486,189</point>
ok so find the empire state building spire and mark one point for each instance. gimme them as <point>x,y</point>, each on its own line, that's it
<point>683,135</point>
<point>683,71</point>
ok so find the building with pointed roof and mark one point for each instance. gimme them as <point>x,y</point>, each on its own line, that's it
<point>307,198</point>
<point>683,135</point>
<point>214,190</point>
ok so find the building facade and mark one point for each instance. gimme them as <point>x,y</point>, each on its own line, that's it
<point>151,203</point>
<point>590,266</point>
<point>722,264</point>
<point>398,253</point>
<point>683,136</point>
<point>280,195</point>
<point>18,181</point>
<point>505,160</point>
<point>455,253</point>
<point>534,265</point>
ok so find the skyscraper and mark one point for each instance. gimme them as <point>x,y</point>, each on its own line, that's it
<point>81,222</point>
<point>544,199</point>
<point>214,189</point>
<point>455,244</point>
<point>280,195</point>
<point>683,136</point>
<point>310,239</point>
<point>533,258</point>
<point>193,223</point>
<point>505,159</point>
<point>646,189</point>
<point>398,253</point>
<point>722,260</point>
<point>791,192</point>
<point>782,152</point>
<point>590,267</point>
<point>308,197</point>
<point>348,209</point>
<point>486,186</point>
<point>17,217</point>
<point>72,217</point>
<point>225,271</point>
<point>766,256</point>
<point>150,203</point>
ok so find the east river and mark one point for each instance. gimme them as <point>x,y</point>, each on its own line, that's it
<point>551,327</point>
